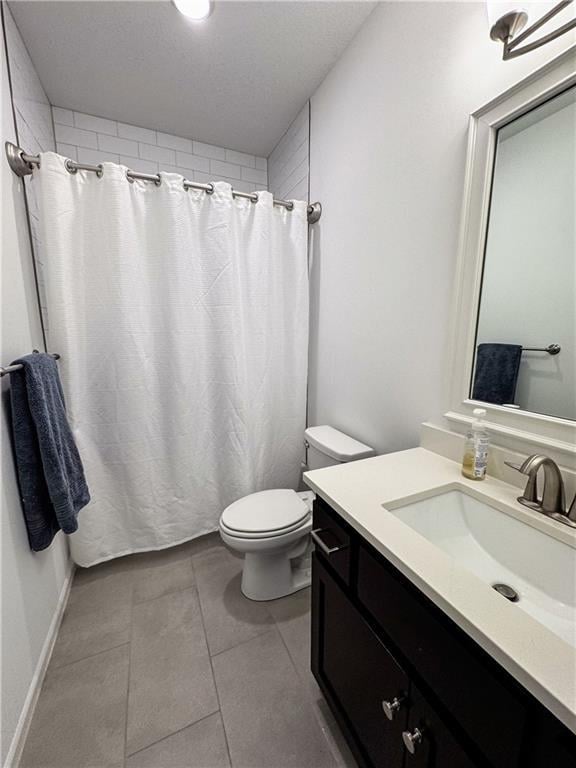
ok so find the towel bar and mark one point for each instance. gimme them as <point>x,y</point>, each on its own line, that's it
<point>552,349</point>
<point>19,366</point>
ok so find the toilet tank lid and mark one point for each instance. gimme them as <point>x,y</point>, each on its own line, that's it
<point>336,444</point>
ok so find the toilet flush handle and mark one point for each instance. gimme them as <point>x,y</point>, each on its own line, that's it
<point>322,545</point>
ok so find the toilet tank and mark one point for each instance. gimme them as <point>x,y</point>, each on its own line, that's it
<point>328,446</point>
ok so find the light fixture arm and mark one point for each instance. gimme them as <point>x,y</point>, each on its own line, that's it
<point>503,30</point>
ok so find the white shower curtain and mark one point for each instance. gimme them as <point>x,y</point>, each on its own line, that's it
<point>182,321</point>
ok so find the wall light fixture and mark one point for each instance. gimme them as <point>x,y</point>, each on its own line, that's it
<point>508,24</point>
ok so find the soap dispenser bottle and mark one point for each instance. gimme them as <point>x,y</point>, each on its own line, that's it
<point>476,448</point>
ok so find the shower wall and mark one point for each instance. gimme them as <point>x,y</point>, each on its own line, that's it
<point>288,164</point>
<point>34,127</point>
<point>32,107</point>
<point>92,139</point>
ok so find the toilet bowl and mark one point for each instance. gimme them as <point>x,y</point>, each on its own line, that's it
<point>272,528</point>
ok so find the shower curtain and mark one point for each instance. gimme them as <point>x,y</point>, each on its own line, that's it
<point>182,322</point>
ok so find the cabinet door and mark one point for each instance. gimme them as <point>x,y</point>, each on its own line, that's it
<point>428,742</point>
<point>357,674</point>
<point>548,744</point>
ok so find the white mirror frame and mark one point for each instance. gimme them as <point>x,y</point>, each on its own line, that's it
<point>517,429</point>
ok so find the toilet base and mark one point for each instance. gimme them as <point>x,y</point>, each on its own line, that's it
<point>268,577</point>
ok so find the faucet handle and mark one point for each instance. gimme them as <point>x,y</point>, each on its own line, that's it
<point>517,467</point>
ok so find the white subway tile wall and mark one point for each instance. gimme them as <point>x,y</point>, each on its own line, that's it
<point>35,130</point>
<point>193,162</point>
<point>92,139</point>
<point>288,165</point>
<point>209,150</point>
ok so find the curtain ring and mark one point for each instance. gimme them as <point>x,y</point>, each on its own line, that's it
<point>211,190</point>
<point>100,171</point>
<point>255,198</point>
<point>130,179</point>
<point>158,181</point>
<point>70,167</point>
<point>290,207</point>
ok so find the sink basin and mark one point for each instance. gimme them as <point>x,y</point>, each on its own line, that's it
<point>499,549</point>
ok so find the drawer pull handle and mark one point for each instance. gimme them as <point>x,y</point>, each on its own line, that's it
<point>323,546</point>
<point>411,740</point>
<point>391,707</point>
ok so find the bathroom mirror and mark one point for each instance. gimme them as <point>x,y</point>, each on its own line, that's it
<point>515,282</point>
<point>525,346</point>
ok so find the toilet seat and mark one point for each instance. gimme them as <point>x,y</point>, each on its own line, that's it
<point>265,514</point>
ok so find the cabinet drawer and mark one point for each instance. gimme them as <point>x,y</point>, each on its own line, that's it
<point>476,697</point>
<point>332,539</point>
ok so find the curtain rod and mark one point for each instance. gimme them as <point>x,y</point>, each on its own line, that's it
<point>22,165</point>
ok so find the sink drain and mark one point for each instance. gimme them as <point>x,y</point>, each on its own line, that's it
<point>506,591</point>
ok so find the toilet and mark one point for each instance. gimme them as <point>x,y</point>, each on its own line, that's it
<point>272,528</point>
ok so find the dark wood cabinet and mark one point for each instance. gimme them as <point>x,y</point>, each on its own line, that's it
<point>333,534</point>
<point>360,674</point>
<point>478,698</point>
<point>408,687</point>
<point>429,743</point>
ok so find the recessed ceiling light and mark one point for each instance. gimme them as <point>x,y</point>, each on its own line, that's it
<point>196,10</point>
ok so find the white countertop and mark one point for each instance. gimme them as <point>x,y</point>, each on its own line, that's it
<point>540,660</point>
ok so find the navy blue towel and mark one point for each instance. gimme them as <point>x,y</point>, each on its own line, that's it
<point>50,474</point>
<point>496,373</point>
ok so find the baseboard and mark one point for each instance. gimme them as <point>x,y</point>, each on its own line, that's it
<point>21,732</point>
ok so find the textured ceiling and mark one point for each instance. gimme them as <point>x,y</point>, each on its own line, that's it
<point>235,80</point>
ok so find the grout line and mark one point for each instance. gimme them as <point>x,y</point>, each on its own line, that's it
<point>169,736</point>
<point>292,661</point>
<point>126,710</point>
<point>330,741</point>
<point>212,667</point>
<point>271,628</point>
<point>165,594</point>
<point>90,656</point>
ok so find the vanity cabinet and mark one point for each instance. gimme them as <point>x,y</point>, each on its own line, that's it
<point>354,665</point>
<point>408,687</point>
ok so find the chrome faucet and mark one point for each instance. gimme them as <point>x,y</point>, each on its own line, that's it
<point>552,501</point>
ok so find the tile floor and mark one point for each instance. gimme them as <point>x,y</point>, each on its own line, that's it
<point>162,663</point>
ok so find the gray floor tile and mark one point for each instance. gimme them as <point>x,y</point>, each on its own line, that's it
<point>104,587</point>
<point>292,617</point>
<point>331,730</point>
<point>172,693</point>
<point>163,577</point>
<point>202,745</point>
<point>80,717</point>
<point>171,683</point>
<point>209,542</point>
<point>98,614</point>
<point>267,714</point>
<point>229,617</point>
<point>84,634</point>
